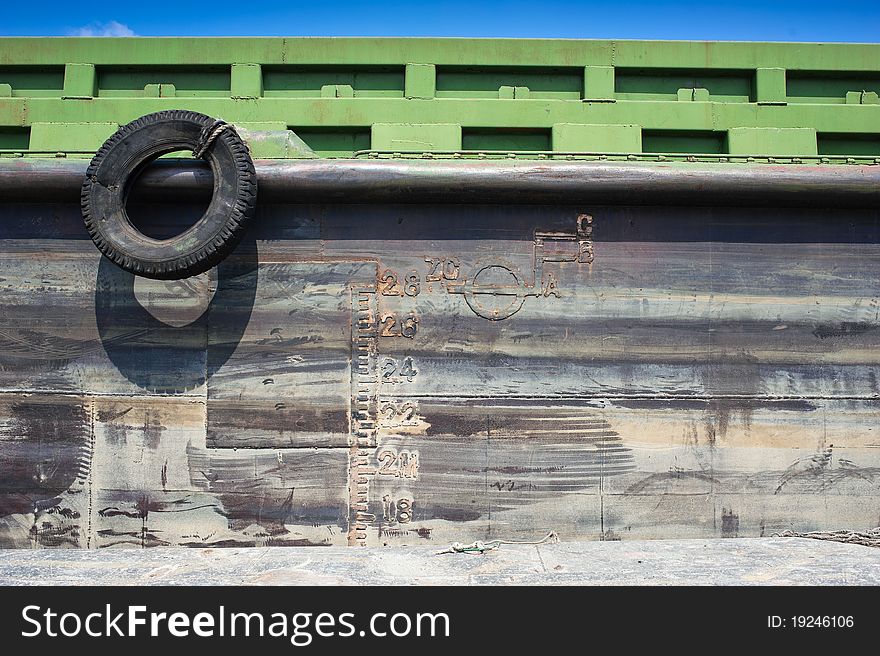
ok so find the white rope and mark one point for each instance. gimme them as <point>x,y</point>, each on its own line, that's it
<point>481,547</point>
<point>208,135</point>
<point>869,538</point>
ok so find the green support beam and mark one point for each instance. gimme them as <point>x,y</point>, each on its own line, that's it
<point>597,138</point>
<point>421,81</point>
<point>225,51</point>
<point>599,83</point>
<point>772,141</point>
<point>160,91</point>
<point>70,136</point>
<point>770,86</point>
<point>697,94</point>
<point>246,81</point>
<point>80,82</point>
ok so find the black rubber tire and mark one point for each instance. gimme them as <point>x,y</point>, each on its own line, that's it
<point>118,163</point>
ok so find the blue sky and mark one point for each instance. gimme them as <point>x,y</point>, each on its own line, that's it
<point>785,20</point>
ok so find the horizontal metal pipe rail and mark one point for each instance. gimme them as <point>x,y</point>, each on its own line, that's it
<point>455,181</point>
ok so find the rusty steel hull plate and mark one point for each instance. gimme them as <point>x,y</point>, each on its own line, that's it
<point>380,374</point>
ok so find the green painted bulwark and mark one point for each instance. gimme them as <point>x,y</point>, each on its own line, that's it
<point>508,94</point>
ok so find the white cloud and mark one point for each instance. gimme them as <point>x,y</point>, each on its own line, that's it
<point>111,28</point>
